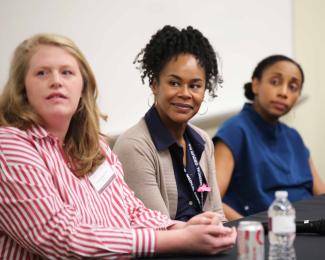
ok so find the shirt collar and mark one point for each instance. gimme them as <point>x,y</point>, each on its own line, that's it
<point>268,129</point>
<point>196,140</point>
<point>161,136</point>
<point>38,132</point>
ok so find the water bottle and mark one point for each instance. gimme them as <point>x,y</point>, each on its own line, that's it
<point>282,227</point>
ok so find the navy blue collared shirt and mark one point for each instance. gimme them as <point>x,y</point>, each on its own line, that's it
<point>187,205</point>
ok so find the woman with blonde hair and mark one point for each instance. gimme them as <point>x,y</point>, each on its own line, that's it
<point>81,140</point>
<point>62,193</point>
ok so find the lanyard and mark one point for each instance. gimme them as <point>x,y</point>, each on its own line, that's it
<point>199,173</point>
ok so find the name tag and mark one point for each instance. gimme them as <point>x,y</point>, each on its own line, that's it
<point>102,177</point>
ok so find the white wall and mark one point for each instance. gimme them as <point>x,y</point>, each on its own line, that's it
<point>111,33</point>
<point>309,49</point>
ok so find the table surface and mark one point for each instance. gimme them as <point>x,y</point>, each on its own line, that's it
<point>307,246</point>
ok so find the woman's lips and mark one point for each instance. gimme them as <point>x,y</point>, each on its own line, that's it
<point>279,105</point>
<point>56,96</point>
<point>183,107</point>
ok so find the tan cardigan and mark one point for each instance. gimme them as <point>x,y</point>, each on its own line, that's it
<point>150,172</point>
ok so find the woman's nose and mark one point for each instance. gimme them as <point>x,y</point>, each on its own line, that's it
<point>56,80</point>
<point>185,91</point>
<point>283,91</point>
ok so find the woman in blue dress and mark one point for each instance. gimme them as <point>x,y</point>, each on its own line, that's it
<point>255,153</point>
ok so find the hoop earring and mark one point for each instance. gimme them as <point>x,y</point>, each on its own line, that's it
<point>151,100</point>
<point>203,111</point>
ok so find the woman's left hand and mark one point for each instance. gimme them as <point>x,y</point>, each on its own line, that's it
<point>205,218</point>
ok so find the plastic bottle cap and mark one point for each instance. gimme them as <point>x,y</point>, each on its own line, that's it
<point>281,194</point>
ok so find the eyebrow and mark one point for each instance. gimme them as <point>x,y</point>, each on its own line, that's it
<point>47,66</point>
<point>280,74</point>
<point>296,79</point>
<point>179,78</point>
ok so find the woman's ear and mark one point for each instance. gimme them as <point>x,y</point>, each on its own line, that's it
<point>154,87</point>
<point>255,86</point>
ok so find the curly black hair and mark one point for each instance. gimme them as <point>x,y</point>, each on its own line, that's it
<point>169,42</point>
<point>262,66</point>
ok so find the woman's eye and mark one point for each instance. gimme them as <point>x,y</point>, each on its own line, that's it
<point>195,86</point>
<point>275,81</point>
<point>41,73</point>
<point>294,87</point>
<point>67,72</point>
<point>174,83</point>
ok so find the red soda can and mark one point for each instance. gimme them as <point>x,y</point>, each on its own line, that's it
<point>250,240</point>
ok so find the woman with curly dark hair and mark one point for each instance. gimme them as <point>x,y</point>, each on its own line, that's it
<point>168,162</point>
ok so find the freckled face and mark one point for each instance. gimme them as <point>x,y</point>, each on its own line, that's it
<point>53,84</point>
<point>180,90</point>
<point>278,90</point>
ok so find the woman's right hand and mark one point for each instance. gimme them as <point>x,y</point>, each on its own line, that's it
<point>209,239</point>
<point>197,239</point>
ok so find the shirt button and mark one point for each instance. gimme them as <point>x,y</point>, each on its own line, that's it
<point>246,207</point>
<point>190,203</point>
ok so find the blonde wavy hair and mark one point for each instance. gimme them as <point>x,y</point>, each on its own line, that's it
<point>82,139</point>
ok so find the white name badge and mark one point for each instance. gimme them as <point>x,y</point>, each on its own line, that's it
<point>102,177</point>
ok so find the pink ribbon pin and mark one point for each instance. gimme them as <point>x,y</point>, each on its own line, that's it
<point>204,188</point>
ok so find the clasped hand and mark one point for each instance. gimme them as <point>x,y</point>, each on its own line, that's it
<point>205,234</point>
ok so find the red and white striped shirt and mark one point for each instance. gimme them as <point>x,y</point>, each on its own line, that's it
<point>46,211</point>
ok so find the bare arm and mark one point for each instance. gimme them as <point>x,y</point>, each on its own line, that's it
<point>318,184</point>
<point>230,213</point>
<point>224,168</point>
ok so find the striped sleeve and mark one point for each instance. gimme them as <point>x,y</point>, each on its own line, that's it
<point>35,217</point>
<point>143,220</point>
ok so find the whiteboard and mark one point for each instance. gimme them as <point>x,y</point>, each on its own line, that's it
<point>110,33</point>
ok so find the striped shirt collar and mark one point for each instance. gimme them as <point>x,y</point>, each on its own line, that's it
<point>38,132</point>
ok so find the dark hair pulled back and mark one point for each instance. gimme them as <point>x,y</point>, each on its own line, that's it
<point>262,66</point>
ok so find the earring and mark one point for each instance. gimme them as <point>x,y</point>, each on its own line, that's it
<point>151,100</point>
<point>203,108</point>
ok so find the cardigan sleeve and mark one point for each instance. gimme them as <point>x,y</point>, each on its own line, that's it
<point>140,167</point>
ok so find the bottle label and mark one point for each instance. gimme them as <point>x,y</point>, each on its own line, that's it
<point>283,224</point>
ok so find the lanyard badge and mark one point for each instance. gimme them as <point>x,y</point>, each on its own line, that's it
<point>202,186</point>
